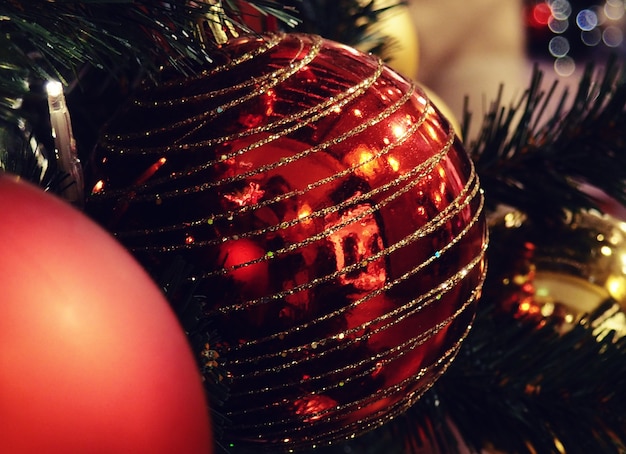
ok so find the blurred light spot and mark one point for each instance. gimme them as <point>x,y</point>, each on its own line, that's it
<point>612,36</point>
<point>304,213</point>
<point>586,20</point>
<point>393,163</point>
<point>558,25</point>
<point>98,187</point>
<point>614,11</point>
<point>561,9</point>
<point>398,130</point>
<point>592,37</point>
<point>558,46</point>
<point>564,66</point>
<point>541,14</point>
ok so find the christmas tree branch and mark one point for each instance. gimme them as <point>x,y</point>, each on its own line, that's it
<point>539,164</point>
<point>53,40</point>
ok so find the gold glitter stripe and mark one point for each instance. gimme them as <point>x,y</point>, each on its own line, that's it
<point>266,44</point>
<point>337,101</point>
<point>381,416</point>
<point>384,114</point>
<point>383,357</point>
<point>412,307</point>
<point>251,82</point>
<point>414,176</point>
<point>392,248</point>
<point>326,108</point>
<point>206,116</point>
<point>374,293</point>
<point>336,412</point>
<point>423,299</point>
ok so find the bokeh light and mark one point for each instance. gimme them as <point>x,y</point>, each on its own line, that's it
<point>592,37</point>
<point>564,66</point>
<point>561,9</point>
<point>612,36</point>
<point>558,46</point>
<point>558,25</point>
<point>586,20</point>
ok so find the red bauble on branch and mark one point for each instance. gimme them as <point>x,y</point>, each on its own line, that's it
<point>332,217</point>
<point>92,357</point>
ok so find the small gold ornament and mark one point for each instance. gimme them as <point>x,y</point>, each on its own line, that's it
<point>562,270</point>
<point>217,22</point>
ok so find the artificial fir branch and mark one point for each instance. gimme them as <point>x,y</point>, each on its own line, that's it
<point>55,39</point>
<point>347,22</point>
<point>537,160</point>
<point>524,388</point>
<point>91,45</point>
<point>201,335</point>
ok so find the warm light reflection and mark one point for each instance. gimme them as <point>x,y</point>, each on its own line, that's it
<point>616,285</point>
<point>270,101</point>
<point>250,195</point>
<point>398,130</point>
<point>357,113</point>
<point>303,214</point>
<point>313,407</point>
<point>150,171</point>
<point>431,131</point>
<point>393,163</point>
<point>354,243</point>
<point>98,187</point>
<point>363,160</point>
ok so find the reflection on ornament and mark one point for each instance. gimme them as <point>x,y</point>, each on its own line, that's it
<point>444,108</point>
<point>564,270</point>
<point>337,229</point>
<point>21,154</point>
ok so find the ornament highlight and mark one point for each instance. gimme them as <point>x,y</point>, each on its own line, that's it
<point>93,359</point>
<point>333,219</point>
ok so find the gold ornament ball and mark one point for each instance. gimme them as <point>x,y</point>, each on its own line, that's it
<point>563,270</point>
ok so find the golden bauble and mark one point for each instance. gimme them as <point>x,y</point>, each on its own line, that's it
<point>396,26</point>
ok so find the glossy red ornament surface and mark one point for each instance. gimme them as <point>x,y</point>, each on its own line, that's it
<point>333,220</point>
<point>92,357</point>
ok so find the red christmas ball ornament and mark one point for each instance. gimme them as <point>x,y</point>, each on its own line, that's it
<point>333,219</point>
<point>93,359</point>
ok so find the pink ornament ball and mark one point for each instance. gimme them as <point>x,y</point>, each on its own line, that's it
<point>92,358</point>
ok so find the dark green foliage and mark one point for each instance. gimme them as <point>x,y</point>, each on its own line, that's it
<point>537,161</point>
<point>345,21</point>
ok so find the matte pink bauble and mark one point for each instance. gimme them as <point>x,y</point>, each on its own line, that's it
<point>92,358</point>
